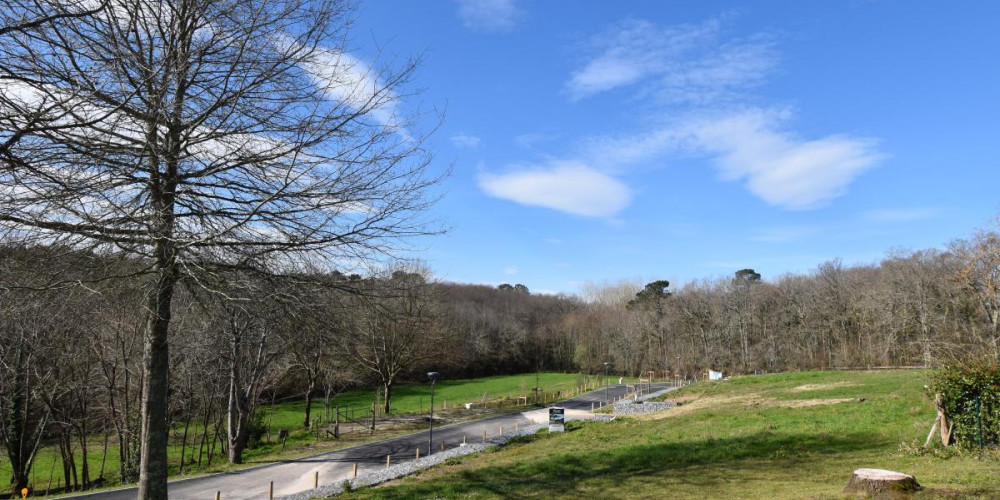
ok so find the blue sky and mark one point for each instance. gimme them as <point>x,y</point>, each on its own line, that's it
<point>597,141</point>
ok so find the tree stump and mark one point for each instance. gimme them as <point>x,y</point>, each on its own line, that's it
<point>881,483</point>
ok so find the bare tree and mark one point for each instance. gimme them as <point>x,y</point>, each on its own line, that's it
<point>981,276</point>
<point>199,136</point>
<point>396,328</point>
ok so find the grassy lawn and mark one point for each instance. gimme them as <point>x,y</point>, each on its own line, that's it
<point>775,436</point>
<point>407,399</point>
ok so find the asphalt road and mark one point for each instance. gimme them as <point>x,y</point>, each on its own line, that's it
<point>293,476</point>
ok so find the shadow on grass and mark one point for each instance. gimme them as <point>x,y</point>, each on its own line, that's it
<point>561,475</point>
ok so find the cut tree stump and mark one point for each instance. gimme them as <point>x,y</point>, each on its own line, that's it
<point>881,483</point>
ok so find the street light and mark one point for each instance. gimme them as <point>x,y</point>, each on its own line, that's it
<point>606,365</point>
<point>430,435</point>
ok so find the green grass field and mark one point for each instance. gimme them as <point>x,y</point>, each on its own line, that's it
<point>289,415</point>
<point>775,436</point>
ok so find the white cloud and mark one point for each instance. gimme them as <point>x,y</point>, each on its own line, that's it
<point>752,146</point>
<point>491,16</point>
<point>780,168</point>
<point>349,80</point>
<point>570,187</point>
<point>511,270</point>
<point>466,141</point>
<point>689,63</point>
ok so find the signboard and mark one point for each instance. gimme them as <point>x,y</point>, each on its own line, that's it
<point>557,419</point>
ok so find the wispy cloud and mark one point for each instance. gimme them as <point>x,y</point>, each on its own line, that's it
<point>490,16</point>
<point>755,147</point>
<point>466,141</point>
<point>347,79</point>
<point>688,63</point>
<point>570,187</point>
<point>780,168</point>
<point>511,270</point>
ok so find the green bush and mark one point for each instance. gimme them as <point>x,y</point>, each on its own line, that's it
<point>970,395</point>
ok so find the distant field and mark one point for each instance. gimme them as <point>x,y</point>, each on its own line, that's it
<point>412,398</point>
<point>774,436</point>
<point>409,398</point>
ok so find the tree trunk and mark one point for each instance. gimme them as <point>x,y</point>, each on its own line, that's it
<point>184,442</point>
<point>153,452</point>
<point>309,400</point>
<point>388,397</point>
<point>881,483</point>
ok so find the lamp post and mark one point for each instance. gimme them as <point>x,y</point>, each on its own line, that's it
<point>606,365</point>
<point>430,435</point>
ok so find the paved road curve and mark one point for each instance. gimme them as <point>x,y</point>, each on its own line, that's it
<point>293,476</point>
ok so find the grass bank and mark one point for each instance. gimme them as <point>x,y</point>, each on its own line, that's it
<point>775,436</point>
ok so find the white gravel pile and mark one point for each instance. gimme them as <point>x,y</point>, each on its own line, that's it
<point>410,466</point>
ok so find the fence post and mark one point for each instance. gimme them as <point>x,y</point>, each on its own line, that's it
<point>270,491</point>
<point>355,469</point>
<point>218,495</point>
<point>388,461</point>
<point>316,480</point>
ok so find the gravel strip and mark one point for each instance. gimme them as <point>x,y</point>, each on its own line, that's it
<point>410,466</point>
<point>642,406</point>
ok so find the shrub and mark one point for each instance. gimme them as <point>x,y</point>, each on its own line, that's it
<point>970,395</point>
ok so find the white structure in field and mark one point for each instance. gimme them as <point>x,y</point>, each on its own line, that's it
<point>714,375</point>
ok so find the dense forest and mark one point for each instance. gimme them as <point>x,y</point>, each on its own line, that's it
<point>71,355</point>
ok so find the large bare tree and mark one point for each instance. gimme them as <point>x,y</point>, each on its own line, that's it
<point>397,328</point>
<point>198,136</point>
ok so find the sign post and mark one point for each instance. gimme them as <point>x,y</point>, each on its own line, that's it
<point>557,419</point>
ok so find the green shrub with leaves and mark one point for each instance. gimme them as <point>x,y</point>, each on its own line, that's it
<point>970,395</point>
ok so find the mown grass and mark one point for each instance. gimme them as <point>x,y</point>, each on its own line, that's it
<point>407,399</point>
<point>775,436</point>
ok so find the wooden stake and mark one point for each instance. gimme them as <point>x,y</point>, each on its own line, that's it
<point>591,407</point>
<point>388,461</point>
<point>218,495</point>
<point>355,472</point>
<point>418,453</point>
<point>316,480</point>
<point>442,445</point>
<point>463,439</point>
<point>484,435</point>
<point>270,491</point>
<point>501,430</point>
